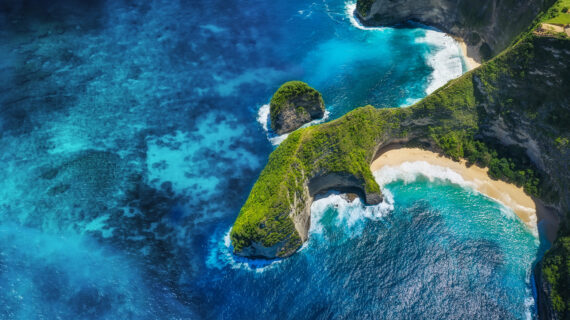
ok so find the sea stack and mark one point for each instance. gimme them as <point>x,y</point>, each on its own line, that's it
<point>294,104</point>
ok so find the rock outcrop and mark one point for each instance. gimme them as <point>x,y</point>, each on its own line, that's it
<point>293,105</point>
<point>487,26</point>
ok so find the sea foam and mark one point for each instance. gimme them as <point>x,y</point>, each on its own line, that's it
<point>220,255</point>
<point>409,172</point>
<point>350,216</point>
<point>350,10</point>
<point>265,121</point>
<point>446,59</point>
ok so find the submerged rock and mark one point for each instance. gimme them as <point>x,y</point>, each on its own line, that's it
<point>293,105</point>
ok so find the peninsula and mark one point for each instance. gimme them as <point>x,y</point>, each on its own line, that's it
<point>510,115</point>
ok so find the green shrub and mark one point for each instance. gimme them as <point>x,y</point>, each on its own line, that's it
<point>287,91</point>
<point>556,272</point>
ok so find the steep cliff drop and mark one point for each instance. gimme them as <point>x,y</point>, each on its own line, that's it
<point>486,26</point>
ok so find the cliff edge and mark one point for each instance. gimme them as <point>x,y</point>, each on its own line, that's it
<point>486,26</point>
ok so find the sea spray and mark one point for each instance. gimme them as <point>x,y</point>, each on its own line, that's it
<point>350,10</point>
<point>410,171</point>
<point>352,214</point>
<point>445,58</point>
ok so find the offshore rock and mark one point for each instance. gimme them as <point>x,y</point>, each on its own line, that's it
<point>293,105</point>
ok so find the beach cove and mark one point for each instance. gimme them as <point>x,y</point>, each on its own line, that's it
<point>472,176</point>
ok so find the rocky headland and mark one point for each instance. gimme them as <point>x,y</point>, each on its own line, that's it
<point>511,115</point>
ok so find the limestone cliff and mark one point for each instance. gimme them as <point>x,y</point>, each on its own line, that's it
<point>487,26</point>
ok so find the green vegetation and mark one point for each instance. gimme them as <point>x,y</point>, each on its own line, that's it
<point>505,163</point>
<point>453,118</point>
<point>288,91</point>
<point>279,191</point>
<point>520,96</point>
<point>556,271</point>
<point>558,13</point>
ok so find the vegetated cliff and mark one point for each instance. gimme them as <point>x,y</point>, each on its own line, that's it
<point>487,26</point>
<point>518,99</point>
<point>512,115</point>
<point>293,105</point>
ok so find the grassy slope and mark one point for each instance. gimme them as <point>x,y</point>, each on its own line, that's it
<point>556,14</point>
<point>343,145</point>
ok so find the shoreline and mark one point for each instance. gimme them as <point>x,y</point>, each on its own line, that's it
<point>532,213</point>
<point>469,56</point>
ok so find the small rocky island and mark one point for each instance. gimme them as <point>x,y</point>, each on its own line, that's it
<point>294,104</point>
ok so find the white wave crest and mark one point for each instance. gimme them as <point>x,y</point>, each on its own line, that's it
<point>409,102</point>
<point>263,116</point>
<point>264,119</point>
<point>446,60</point>
<point>410,171</point>
<point>220,256</point>
<point>350,9</point>
<point>350,214</point>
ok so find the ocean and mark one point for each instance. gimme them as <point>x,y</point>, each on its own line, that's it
<point>131,133</point>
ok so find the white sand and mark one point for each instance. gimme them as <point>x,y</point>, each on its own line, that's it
<point>470,60</point>
<point>508,194</point>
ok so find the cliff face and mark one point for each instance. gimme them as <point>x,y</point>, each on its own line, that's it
<point>487,26</point>
<point>528,105</point>
<point>552,276</point>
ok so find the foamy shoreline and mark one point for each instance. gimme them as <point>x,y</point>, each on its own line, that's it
<point>469,59</point>
<point>508,194</point>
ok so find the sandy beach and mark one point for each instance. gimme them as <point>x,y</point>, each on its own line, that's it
<point>470,58</point>
<point>508,194</point>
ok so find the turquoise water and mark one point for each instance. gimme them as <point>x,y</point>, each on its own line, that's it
<point>434,249</point>
<point>131,133</point>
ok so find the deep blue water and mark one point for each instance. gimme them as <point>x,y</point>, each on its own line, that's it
<point>130,136</point>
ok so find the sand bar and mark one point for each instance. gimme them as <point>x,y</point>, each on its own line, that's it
<point>508,194</point>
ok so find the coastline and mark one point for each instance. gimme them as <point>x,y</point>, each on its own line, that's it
<point>472,59</point>
<point>529,211</point>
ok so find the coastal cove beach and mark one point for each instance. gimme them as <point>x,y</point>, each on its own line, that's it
<point>419,161</point>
